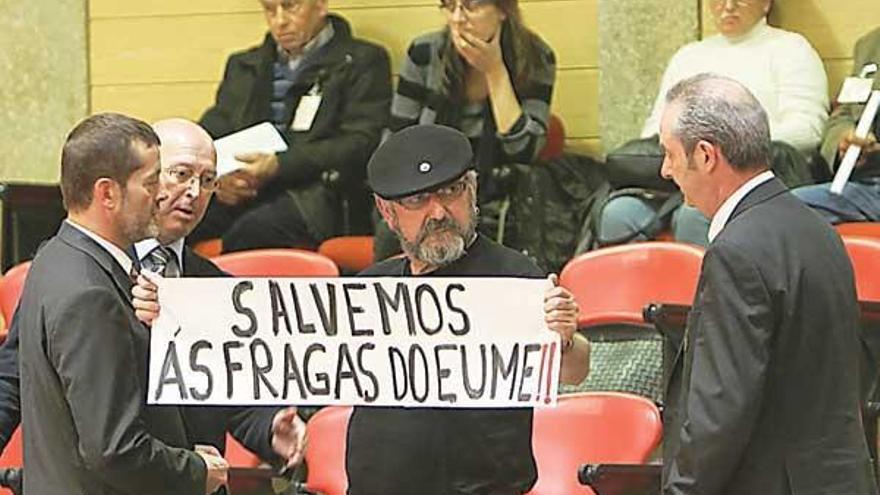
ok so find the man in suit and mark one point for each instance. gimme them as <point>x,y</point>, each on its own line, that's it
<point>185,187</point>
<point>186,184</point>
<point>860,199</point>
<point>769,401</point>
<point>83,366</point>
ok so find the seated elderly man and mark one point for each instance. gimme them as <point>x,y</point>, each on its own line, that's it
<point>328,93</point>
<point>779,67</point>
<point>860,199</point>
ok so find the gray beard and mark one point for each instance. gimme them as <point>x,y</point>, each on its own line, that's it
<point>439,254</point>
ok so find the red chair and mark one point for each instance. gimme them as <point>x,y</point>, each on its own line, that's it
<point>239,456</point>
<point>276,263</point>
<point>12,456</point>
<point>325,455</point>
<point>10,292</point>
<point>614,284</point>
<point>209,248</point>
<point>351,253</point>
<point>861,229</point>
<point>864,252</point>
<point>592,427</point>
<point>269,263</point>
<point>555,143</point>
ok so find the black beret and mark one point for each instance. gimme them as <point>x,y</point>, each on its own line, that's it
<point>417,159</point>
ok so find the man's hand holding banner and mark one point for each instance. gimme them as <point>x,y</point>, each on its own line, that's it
<point>411,342</point>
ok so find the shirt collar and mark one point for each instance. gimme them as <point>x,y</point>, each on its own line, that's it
<point>322,38</point>
<point>143,248</point>
<point>723,214</point>
<point>118,253</point>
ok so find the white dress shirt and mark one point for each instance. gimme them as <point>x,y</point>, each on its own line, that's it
<point>779,67</point>
<point>118,253</point>
<point>719,220</point>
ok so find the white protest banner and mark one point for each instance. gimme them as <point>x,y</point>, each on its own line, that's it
<point>411,342</point>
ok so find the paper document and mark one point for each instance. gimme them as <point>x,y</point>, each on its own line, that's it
<point>852,153</point>
<point>261,138</point>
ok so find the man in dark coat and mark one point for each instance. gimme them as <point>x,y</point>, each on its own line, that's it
<point>426,191</point>
<point>83,351</point>
<point>328,93</point>
<point>769,401</point>
<point>186,184</point>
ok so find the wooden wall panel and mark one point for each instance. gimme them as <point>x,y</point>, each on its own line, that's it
<point>165,57</point>
<point>576,99</point>
<point>149,49</point>
<point>586,146</point>
<point>151,102</point>
<point>130,50</point>
<point>837,71</point>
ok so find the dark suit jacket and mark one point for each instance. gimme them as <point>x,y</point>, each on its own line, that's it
<point>770,397</point>
<point>83,382</point>
<point>204,425</point>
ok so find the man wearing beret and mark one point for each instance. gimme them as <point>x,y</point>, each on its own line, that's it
<point>425,189</point>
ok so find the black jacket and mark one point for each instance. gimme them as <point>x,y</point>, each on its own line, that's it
<point>83,382</point>
<point>203,425</point>
<point>354,79</point>
<point>770,396</point>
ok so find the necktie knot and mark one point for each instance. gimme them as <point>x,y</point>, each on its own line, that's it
<point>162,260</point>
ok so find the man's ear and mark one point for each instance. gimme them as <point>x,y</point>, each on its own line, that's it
<point>384,208</point>
<point>706,156</point>
<point>107,193</point>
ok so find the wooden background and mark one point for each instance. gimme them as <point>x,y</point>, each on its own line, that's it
<point>165,57</point>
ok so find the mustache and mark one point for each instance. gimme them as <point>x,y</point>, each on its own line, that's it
<point>434,225</point>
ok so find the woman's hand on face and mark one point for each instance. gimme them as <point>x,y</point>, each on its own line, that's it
<point>484,56</point>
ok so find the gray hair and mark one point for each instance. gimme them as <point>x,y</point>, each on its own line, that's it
<point>723,112</point>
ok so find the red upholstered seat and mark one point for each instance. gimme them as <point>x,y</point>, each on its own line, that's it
<point>277,263</point>
<point>351,253</point>
<point>613,285</point>
<point>11,285</point>
<point>591,427</point>
<point>325,454</point>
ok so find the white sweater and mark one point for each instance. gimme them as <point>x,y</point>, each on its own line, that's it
<point>779,67</point>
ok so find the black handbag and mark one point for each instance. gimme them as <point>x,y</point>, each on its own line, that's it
<point>637,164</point>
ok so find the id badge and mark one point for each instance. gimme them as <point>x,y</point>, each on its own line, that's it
<point>855,90</point>
<point>306,112</point>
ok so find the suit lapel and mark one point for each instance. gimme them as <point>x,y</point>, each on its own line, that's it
<point>74,238</point>
<point>764,192</point>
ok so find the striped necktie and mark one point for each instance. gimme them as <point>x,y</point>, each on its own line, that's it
<point>162,260</point>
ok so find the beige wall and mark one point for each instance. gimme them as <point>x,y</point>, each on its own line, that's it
<point>165,57</point>
<point>43,84</point>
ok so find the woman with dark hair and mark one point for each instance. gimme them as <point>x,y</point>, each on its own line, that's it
<point>485,74</point>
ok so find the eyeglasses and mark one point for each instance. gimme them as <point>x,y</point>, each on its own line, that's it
<point>445,195</point>
<point>287,6</point>
<point>719,4</point>
<point>182,175</point>
<point>468,6</point>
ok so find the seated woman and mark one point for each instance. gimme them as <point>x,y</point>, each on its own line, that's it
<point>780,68</point>
<point>486,75</point>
